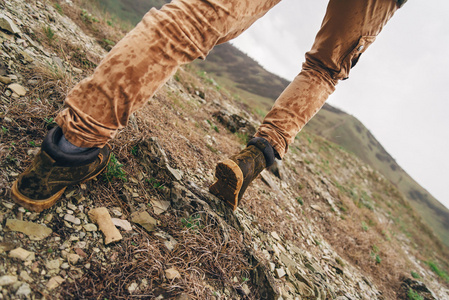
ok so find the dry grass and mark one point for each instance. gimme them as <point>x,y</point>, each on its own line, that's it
<point>50,83</point>
<point>201,257</point>
<point>206,260</point>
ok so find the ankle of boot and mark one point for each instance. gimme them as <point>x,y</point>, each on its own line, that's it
<point>264,146</point>
<point>50,146</point>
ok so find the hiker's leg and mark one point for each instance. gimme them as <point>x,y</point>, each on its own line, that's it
<point>146,58</point>
<point>348,28</point>
<point>128,76</point>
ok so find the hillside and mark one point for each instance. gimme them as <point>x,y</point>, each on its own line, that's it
<point>345,130</point>
<point>238,72</point>
<point>258,89</point>
<point>322,224</point>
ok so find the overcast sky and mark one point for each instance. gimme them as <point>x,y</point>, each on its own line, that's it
<point>398,90</point>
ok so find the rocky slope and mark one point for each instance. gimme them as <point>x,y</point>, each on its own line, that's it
<point>320,225</point>
<point>246,79</point>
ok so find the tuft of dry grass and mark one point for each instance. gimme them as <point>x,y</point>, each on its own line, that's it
<point>200,256</point>
<point>50,83</point>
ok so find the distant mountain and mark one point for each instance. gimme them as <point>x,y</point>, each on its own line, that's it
<point>229,62</point>
<point>259,88</point>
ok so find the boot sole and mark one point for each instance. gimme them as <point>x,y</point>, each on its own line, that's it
<point>228,184</point>
<point>39,205</point>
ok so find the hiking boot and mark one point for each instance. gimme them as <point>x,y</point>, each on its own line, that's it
<point>236,173</point>
<point>52,171</point>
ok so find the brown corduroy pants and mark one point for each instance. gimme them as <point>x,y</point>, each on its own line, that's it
<point>184,30</point>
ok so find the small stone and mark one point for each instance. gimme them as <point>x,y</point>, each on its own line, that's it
<point>275,236</point>
<point>69,195</point>
<point>280,272</point>
<point>80,252</point>
<point>8,205</point>
<point>7,280</point>
<point>25,276</point>
<point>33,82</point>
<point>246,289</point>
<point>90,227</point>
<point>172,273</point>
<point>72,206</point>
<point>102,217</point>
<point>74,237</point>
<point>160,206</point>
<point>72,219</point>
<point>132,287</point>
<point>21,254</point>
<point>65,245</point>
<point>18,89</point>
<point>8,25</point>
<point>77,71</point>
<point>35,231</point>
<point>65,266</point>
<point>81,245</point>
<point>117,211</point>
<point>124,224</point>
<point>54,282</point>
<point>59,210</point>
<point>145,220</point>
<point>5,80</point>
<point>48,218</point>
<point>316,207</point>
<point>73,258</point>
<point>176,174</point>
<point>183,296</point>
<point>53,264</point>
<point>24,290</point>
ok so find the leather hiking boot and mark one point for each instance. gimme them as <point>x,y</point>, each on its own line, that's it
<point>236,173</point>
<point>52,171</point>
